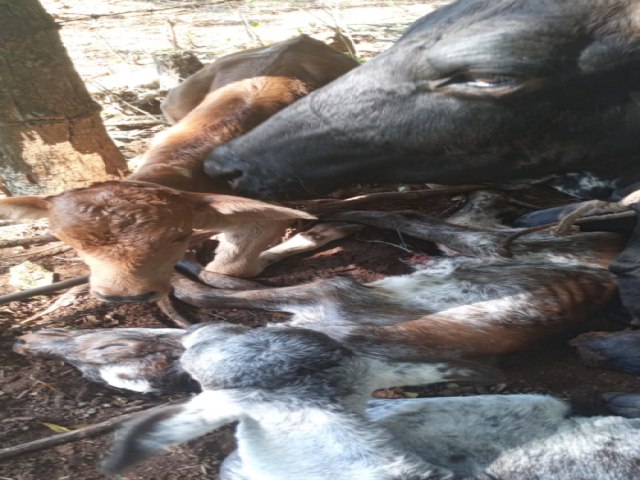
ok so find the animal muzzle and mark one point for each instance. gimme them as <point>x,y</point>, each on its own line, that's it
<point>151,296</point>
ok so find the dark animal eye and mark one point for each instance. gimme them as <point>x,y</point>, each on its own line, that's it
<point>481,81</point>
<point>486,85</point>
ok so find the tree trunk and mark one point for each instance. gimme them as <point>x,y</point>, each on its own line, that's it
<point>51,134</point>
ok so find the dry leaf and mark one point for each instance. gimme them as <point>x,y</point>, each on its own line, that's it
<point>55,428</point>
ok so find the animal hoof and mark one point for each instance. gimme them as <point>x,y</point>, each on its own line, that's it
<point>623,404</point>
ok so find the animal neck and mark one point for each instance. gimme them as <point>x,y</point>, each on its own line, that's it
<point>176,156</point>
<point>186,176</point>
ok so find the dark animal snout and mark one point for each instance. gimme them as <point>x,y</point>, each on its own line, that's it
<point>143,297</point>
<point>221,165</point>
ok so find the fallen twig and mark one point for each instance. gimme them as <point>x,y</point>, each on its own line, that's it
<point>45,252</point>
<point>72,436</point>
<point>63,300</point>
<point>44,290</point>
<point>139,120</point>
<point>330,206</point>
<point>23,242</point>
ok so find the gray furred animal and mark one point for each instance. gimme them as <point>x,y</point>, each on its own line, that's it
<point>139,359</point>
<point>147,359</point>
<point>300,400</point>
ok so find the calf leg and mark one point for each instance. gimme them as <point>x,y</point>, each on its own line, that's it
<point>312,239</point>
<point>244,253</point>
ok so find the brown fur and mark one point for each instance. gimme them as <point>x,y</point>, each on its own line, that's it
<point>299,57</point>
<point>132,233</point>
<point>175,156</point>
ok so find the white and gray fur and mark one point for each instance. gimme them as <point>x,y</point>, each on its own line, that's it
<point>489,303</point>
<point>139,359</point>
<point>300,400</point>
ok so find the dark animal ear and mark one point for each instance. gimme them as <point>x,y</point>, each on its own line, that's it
<point>245,208</point>
<point>160,428</point>
<point>28,207</point>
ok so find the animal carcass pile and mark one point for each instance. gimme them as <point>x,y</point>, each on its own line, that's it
<point>475,97</point>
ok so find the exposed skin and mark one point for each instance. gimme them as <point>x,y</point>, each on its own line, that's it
<point>476,91</point>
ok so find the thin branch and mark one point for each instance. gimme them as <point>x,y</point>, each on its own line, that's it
<point>63,300</point>
<point>44,290</point>
<point>122,100</point>
<point>24,242</point>
<point>251,33</point>
<point>52,250</point>
<point>172,31</point>
<point>73,435</point>
<point>329,206</point>
<point>146,11</point>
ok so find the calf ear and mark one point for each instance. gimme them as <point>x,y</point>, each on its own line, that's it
<point>239,207</point>
<point>29,207</point>
<point>165,426</point>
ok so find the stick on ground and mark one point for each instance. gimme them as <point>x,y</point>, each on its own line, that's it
<point>72,436</point>
<point>44,290</point>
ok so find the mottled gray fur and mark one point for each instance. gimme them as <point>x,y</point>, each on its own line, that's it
<point>139,359</point>
<point>307,419</point>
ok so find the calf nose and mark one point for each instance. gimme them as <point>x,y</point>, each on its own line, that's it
<point>143,297</point>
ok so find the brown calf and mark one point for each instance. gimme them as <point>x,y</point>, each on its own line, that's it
<point>131,233</point>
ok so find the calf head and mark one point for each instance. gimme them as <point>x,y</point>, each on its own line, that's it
<point>480,90</point>
<point>131,234</point>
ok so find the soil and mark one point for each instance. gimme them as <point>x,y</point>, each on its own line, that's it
<point>34,392</point>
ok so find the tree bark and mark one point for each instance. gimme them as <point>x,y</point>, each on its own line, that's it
<point>51,134</point>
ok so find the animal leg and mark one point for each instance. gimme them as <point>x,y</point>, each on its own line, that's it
<point>215,280</point>
<point>167,307</point>
<point>624,404</point>
<point>274,299</point>
<point>312,239</point>
<point>565,226</point>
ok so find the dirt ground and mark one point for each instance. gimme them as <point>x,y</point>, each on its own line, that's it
<point>34,393</point>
